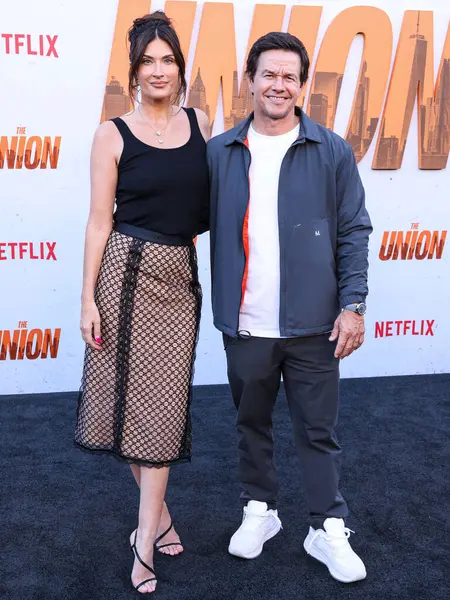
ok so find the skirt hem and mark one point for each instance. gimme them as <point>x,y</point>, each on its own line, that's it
<point>132,460</point>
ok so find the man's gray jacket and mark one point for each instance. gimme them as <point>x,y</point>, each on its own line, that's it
<point>323,225</point>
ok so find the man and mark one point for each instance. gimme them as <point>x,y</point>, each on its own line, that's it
<point>289,260</point>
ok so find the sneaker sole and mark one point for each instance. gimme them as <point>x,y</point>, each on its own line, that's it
<point>270,534</point>
<point>317,555</point>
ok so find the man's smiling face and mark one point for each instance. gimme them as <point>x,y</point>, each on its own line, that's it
<point>276,85</point>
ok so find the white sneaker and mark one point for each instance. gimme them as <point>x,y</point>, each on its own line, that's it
<point>331,547</point>
<point>258,525</point>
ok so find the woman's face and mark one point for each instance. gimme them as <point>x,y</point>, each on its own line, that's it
<point>158,74</point>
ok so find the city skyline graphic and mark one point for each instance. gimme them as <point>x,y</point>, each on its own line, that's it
<point>197,95</point>
<point>241,104</point>
<point>412,66</point>
<point>434,114</point>
<point>322,105</point>
<point>323,102</point>
<point>116,102</point>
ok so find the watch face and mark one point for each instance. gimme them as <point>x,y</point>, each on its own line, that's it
<point>361,308</point>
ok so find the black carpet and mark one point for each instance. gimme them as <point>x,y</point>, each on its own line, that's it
<point>66,515</point>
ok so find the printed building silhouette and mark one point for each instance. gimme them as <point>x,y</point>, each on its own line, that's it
<point>434,116</point>
<point>318,108</point>
<point>328,85</point>
<point>241,104</point>
<point>197,95</point>
<point>116,101</point>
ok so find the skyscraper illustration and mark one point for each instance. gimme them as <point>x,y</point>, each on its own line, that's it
<point>116,101</point>
<point>197,94</point>
<point>360,133</point>
<point>435,122</point>
<point>319,108</point>
<point>328,85</point>
<point>241,104</point>
<point>434,115</point>
<point>388,147</point>
<point>417,74</point>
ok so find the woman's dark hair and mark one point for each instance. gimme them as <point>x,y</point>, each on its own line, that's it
<point>144,30</point>
<point>278,40</point>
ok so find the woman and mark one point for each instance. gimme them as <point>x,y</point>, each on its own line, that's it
<point>141,297</point>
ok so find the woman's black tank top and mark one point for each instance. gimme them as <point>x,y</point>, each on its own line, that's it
<point>164,190</point>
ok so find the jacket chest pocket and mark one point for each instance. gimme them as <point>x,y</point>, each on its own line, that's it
<point>311,245</point>
<point>311,283</point>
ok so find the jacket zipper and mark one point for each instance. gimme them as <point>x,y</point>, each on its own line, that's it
<point>245,143</point>
<point>283,261</point>
<point>281,225</point>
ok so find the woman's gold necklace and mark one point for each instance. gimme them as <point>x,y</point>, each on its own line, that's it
<point>159,134</point>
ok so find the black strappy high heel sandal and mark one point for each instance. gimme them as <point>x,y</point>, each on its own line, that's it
<point>158,539</point>
<point>136,554</point>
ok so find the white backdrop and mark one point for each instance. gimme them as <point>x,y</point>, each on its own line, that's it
<point>63,97</point>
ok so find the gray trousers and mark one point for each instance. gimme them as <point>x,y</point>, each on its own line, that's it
<point>311,379</point>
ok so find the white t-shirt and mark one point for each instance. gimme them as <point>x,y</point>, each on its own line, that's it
<point>260,309</point>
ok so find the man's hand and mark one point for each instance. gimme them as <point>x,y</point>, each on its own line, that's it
<point>349,331</point>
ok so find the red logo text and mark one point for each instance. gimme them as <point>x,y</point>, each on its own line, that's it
<point>27,250</point>
<point>402,328</point>
<point>33,45</point>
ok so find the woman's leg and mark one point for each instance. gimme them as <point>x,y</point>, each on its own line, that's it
<point>171,537</point>
<point>164,522</point>
<point>136,470</point>
<point>153,483</point>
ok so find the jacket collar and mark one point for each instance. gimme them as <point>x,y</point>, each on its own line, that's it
<point>309,130</point>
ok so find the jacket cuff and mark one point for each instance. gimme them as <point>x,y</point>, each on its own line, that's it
<point>344,300</point>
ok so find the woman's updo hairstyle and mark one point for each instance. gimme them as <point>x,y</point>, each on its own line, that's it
<point>144,30</point>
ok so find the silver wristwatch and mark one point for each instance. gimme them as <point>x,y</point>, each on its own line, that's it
<point>360,308</point>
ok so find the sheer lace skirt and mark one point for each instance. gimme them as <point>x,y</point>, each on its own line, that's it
<point>135,394</point>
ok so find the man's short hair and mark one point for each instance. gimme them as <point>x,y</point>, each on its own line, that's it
<point>278,40</point>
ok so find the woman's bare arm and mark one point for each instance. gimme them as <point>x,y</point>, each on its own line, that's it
<point>106,150</point>
<point>203,123</point>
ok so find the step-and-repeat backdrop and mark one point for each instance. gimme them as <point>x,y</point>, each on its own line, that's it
<point>380,78</point>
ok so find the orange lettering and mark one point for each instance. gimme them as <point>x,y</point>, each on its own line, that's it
<point>413,81</point>
<point>20,152</point>
<point>22,342</point>
<point>412,246</point>
<point>265,17</point>
<point>34,144</point>
<point>183,16</point>
<point>434,115</point>
<point>304,23</point>
<point>423,244</point>
<point>7,151</point>
<point>34,337</point>
<point>211,70</point>
<point>116,101</point>
<point>387,248</point>
<point>437,245</point>
<point>401,248</point>
<point>51,343</point>
<point>412,77</point>
<point>8,346</point>
<point>375,26</point>
<point>50,152</point>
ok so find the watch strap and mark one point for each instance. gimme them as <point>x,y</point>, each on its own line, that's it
<point>351,307</point>
<point>354,307</point>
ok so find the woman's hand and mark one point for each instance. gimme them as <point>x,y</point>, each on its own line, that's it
<point>90,325</point>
